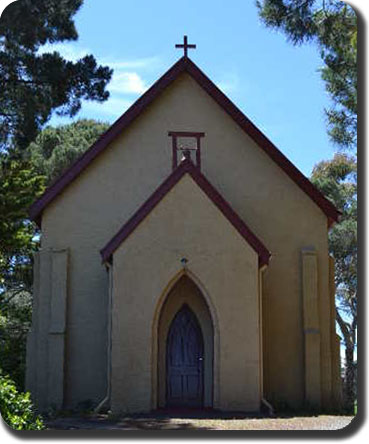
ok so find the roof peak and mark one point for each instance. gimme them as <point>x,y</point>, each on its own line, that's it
<point>184,64</point>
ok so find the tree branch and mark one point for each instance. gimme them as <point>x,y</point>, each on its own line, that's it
<point>343,327</point>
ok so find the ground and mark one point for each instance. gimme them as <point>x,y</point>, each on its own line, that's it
<point>198,422</point>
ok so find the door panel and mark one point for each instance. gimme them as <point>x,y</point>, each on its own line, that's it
<point>185,360</point>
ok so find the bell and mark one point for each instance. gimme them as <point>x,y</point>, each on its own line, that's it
<point>186,154</point>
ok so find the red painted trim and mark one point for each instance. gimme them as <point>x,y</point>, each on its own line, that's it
<point>198,153</point>
<point>103,142</point>
<point>186,167</point>
<point>174,153</point>
<point>184,65</point>
<point>185,134</point>
<point>174,135</point>
<point>326,206</point>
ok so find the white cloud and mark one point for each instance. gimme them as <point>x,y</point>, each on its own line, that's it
<point>126,83</point>
<point>71,51</point>
<point>149,62</point>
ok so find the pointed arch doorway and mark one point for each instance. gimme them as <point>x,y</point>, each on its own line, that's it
<point>185,348</point>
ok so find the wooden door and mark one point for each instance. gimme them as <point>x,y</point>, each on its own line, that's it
<point>185,363</point>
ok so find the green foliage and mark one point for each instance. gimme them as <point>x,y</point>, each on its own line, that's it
<point>16,408</point>
<point>20,185</point>
<point>337,179</point>
<point>22,180</point>
<point>33,85</point>
<point>55,149</point>
<point>332,25</point>
<point>15,321</point>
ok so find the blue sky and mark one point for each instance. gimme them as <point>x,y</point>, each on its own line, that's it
<point>276,85</point>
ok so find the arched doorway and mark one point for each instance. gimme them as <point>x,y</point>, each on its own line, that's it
<point>185,350</point>
<point>184,361</point>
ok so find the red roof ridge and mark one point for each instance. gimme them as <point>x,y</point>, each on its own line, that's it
<point>183,65</point>
<point>186,167</point>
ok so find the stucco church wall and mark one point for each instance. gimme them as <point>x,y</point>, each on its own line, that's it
<point>92,209</point>
<point>186,224</point>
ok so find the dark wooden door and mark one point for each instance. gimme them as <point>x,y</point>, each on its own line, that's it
<point>185,360</point>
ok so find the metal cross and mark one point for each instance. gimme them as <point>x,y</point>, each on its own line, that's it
<point>185,45</point>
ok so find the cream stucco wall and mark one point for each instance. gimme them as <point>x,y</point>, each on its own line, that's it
<point>91,210</point>
<point>186,224</point>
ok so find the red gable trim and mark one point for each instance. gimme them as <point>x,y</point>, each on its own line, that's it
<point>251,130</point>
<point>184,65</point>
<point>187,167</point>
<point>185,134</point>
<point>118,126</point>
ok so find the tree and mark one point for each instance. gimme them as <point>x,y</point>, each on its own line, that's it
<point>23,178</point>
<point>56,148</point>
<point>337,180</point>
<point>34,85</point>
<point>20,185</point>
<point>15,322</point>
<point>332,25</point>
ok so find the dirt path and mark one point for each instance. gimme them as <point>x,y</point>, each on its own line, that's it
<point>156,422</point>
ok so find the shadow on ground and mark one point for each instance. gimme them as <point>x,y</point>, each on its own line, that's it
<point>197,420</point>
<point>103,422</point>
<point>159,420</point>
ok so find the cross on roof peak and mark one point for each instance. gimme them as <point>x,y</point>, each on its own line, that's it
<point>185,45</point>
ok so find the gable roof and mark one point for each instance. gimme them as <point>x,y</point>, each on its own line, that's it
<point>183,65</point>
<point>186,167</point>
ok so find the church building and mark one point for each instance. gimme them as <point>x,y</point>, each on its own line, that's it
<point>184,263</point>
